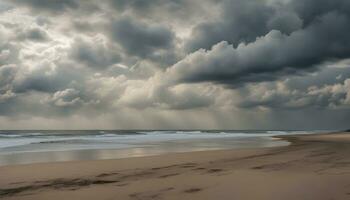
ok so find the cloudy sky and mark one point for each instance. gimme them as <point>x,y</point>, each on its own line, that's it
<point>174,64</point>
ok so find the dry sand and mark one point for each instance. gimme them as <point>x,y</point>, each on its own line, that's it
<point>313,167</point>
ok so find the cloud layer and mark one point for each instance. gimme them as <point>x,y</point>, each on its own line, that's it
<point>216,64</point>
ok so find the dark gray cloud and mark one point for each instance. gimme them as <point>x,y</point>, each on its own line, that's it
<point>33,34</point>
<point>165,10</point>
<point>46,77</point>
<point>270,56</point>
<point>310,10</point>
<point>140,39</point>
<point>135,4</point>
<point>240,21</point>
<point>147,6</point>
<point>243,21</point>
<point>94,54</point>
<point>55,6</point>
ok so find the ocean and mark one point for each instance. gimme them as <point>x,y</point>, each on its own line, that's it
<point>35,146</point>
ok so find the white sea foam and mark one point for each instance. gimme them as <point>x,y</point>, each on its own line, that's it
<point>9,135</point>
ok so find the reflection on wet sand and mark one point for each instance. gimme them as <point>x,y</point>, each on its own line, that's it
<point>147,149</point>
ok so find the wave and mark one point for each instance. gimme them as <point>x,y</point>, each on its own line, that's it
<point>35,134</point>
<point>12,135</point>
<point>189,132</point>
<point>68,141</point>
<point>107,135</point>
<point>9,135</point>
<point>277,132</point>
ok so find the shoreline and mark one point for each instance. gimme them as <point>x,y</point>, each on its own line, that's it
<point>319,162</point>
<point>141,150</point>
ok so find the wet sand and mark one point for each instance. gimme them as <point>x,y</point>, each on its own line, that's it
<point>312,167</point>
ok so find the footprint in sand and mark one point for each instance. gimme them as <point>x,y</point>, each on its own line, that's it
<point>193,190</point>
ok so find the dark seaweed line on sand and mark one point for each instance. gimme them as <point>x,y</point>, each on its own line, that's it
<point>57,184</point>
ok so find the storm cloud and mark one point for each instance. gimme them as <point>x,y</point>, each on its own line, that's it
<point>96,53</point>
<point>142,40</point>
<point>175,64</point>
<point>275,54</point>
<point>50,5</point>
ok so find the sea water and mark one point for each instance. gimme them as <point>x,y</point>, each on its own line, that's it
<point>22,147</point>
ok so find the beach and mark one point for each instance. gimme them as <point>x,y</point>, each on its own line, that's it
<point>311,167</point>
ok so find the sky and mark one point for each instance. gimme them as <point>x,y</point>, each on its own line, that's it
<point>174,64</point>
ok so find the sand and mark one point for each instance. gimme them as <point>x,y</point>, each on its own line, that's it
<point>312,167</point>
